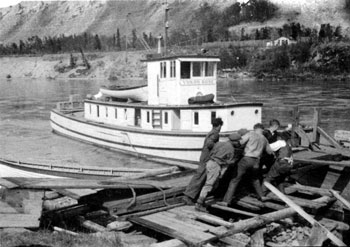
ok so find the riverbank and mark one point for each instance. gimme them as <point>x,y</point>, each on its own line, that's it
<point>109,66</point>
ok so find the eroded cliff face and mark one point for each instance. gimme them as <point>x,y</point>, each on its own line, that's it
<point>53,18</point>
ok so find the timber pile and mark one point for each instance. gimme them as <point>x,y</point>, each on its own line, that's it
<point>306,216</point>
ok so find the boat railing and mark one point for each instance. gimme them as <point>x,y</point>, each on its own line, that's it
<point>70,106</point>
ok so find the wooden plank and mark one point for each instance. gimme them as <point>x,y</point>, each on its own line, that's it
<point>159,195</point>
<point>188,237</point>
<point>76,193</point>
<point>340,198</point>
<point>316,123</point>
<point>322,162</point>
<point>311,190</point>
<point>300,201</point>
<point>214,221</point>
<point>19,220</point>
<point>329,138</point>
<point>152,211</point>
<point>233,210</point>
<point>59,229</point>
<point>63,183</point>
<point>301,212</point>
<point>169,243</point>
<point>7,184</point>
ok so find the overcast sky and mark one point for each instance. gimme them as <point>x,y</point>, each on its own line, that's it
<point>6,3</point>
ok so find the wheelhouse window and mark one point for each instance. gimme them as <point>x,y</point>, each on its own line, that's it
<point>116,113</point>
<point>98,110</point>
<point>162,69</point>
<point>148,117</point>
<point>209,68</point>
<point>196,69</point>
<point>106,111</point>
<point>185,70</point>
<point>172,69</point>
<point>90,108</point>
<point>213,116</point>
<point>196,118</point>
<point>166,118</point>
<point>125,114</point>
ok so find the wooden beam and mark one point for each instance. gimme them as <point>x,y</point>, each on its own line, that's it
<point>19,220</point>
<point>316,123</point>
<point>59,229</point>
<point>311,190</point>
<point>295,124</point>
<point>322,162</point>
<point>329,138</point>
<point>340,198</point>
<point>302,213</point>
<point>214,220</point>
<point>233,210</point>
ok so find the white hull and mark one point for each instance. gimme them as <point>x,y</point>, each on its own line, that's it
<point>151,143</point>
<point>137,93</point>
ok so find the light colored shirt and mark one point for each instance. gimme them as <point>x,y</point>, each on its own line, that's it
<point>277,145</point>
<point>255,144</point>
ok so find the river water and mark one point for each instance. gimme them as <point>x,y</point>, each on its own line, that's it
<point>25,105</point>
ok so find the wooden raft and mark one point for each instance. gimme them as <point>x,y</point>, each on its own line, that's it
<point>181,223</point>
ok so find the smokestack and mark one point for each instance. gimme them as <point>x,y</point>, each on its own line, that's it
<point>160,44</point>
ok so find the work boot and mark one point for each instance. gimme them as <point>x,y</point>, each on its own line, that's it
<point>201,208</point>
<point>224,204</point>
<point>188,200</point>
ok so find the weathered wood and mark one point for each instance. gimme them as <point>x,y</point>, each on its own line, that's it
<point>316,122</point>
<point>305,141</point>
<point>340,198</point>
<point>119,225</point>
<point>233,210</point>
<point>7,184</point>
<point>257,238</point>
<point>122,206</point>
<point>190,237</point>
<point>300,211</point>
<point>7,209</point>
<point>19,220</point>
<point>261,220</point>
<point>317,237</point>
<point>76,193</point>
<point>331,224</point>
<point>60,202</point>
<point>300,201</point>
<point>295,124</point>
<point>329,138</point>
<point>59,229</point>
<point>139,214</point>
<point>322,162</point>
<point>214,221</point>
<point>169,243</point>
<point>92,225</point>
<point>311,190</point>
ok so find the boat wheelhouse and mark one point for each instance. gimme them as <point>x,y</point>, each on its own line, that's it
<point>171,124</point>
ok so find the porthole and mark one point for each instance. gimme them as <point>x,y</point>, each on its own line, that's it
<point>232,113</point>
<point>256,111</point>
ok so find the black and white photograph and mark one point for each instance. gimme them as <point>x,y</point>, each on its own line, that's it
<point>174,123</point>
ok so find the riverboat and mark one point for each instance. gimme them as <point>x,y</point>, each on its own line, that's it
<point>165,125</point>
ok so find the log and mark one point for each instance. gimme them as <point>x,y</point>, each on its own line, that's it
<point>92,225</point>
<point>152,211</point>
<point>340,198</point>
<point>311,190</point>
<point>169,243</point>
<point>330,139</point>
<point>233,210</point>
<point>59,229</point>
<point>214,221</point>
<point>322,163</point>
<point>302,213</point>
<point>260,220</point>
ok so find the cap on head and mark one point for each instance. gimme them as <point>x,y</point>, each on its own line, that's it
<point>242,131</point>
<point>258,126</point>
<point>234,137</point>
<point>217,122</point>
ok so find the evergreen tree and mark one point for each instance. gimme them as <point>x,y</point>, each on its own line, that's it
<point>118,40</point>
<point>134,38</point>
<point>22,47</point>
<point>97,45</point>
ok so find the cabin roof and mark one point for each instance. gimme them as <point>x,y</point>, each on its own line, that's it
<point>194,57</point>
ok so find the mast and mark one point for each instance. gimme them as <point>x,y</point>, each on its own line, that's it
<point>166,27</point>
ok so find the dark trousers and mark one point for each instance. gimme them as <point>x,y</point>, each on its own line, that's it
<point>197,182</point>
<point>246,164</point>
<point>277,174</point>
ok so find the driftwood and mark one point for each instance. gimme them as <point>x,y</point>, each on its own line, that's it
<point>233,210</point>
<point>302,213</point>
<point>58,229</point>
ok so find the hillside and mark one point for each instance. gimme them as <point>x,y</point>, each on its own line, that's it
<point>53,18</point>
